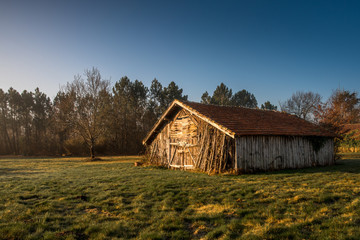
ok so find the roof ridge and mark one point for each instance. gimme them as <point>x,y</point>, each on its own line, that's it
<point>216,105</point>
<point>234,106</point>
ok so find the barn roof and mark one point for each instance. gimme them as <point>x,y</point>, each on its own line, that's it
<point>240,121</point>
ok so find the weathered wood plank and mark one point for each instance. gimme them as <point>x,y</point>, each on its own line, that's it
<point>278,152</point>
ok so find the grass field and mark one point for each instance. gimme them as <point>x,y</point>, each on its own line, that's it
<point>69,198</point>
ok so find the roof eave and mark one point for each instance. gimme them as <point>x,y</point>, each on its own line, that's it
<point>158,122</point>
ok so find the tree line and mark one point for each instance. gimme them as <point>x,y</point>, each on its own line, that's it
<point>88,116</point>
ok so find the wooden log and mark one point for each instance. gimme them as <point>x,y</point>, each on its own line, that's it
<point>153,152</point>
<point>212,155</point>
<point>191,156</point>
<point>168,149</point>
<point>203,147</point>
<point>172,158</point>
<point>222,149</point>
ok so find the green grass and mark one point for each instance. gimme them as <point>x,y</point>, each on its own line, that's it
<point>68,198</point>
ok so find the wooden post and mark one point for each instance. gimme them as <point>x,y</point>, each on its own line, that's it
<point>236,155</point>
<point>168,151</point>
<point>153,151</point>
<point>182,158</point>
<point>191,157</point>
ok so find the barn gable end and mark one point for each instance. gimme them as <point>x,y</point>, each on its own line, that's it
<point>186,142</point>
<point>215,138</point>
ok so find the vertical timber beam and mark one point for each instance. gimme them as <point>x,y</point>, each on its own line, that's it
<point>168,150</point>
<point>236,154</point>
<point>168,144</point>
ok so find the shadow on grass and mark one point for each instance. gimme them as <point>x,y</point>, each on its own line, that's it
<point>343,165</point>
<point>8,172</point>
<point>97,159</point>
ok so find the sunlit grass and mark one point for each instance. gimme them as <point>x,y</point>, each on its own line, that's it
<point>71,198</point>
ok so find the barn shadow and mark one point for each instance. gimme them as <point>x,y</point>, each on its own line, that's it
<point>342,165</point>
<point>17,171</point>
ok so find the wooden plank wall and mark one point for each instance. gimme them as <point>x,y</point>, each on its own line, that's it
<point>183,130</point>
<point>279,152</point>
<point>189,142</point>
<point>183,140</point>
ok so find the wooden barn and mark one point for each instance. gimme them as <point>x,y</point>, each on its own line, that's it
<point>214,138</point>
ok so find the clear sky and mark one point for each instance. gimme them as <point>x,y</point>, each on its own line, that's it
<point>270,48</point>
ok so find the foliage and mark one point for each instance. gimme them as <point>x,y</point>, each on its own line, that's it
<point>109,199</point>
<point>128,115</point>
<point>206,98</point>
<point>24,122</point>
<point>349,139</point>
<point>84,112</point>
<point>171,92</point>
<point>343,107</point>
<point>302,104</point>
<point>161,97</point>
<point>244,99</point>
<point>156,101</point>
<point>268,106</point>
<point>224,96</point>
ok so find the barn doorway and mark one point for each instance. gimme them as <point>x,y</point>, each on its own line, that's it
<point>181,154</point>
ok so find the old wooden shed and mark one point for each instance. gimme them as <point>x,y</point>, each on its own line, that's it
<point>214,138</point>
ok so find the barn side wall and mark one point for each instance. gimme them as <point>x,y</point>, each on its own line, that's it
<point>265,153</point>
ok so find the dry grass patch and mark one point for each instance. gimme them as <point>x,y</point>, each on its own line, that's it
<point>212,209</point>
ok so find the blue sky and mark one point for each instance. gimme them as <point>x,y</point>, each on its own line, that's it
<point>270,48</point>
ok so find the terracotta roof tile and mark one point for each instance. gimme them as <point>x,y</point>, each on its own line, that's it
<point>246,121</point>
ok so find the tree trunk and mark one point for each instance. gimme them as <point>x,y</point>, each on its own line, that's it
<point>7,138</point>
<point>92,149</point>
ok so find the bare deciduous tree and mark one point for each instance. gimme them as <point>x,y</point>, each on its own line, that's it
<point>301,104</point>
<point>87,119</point>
